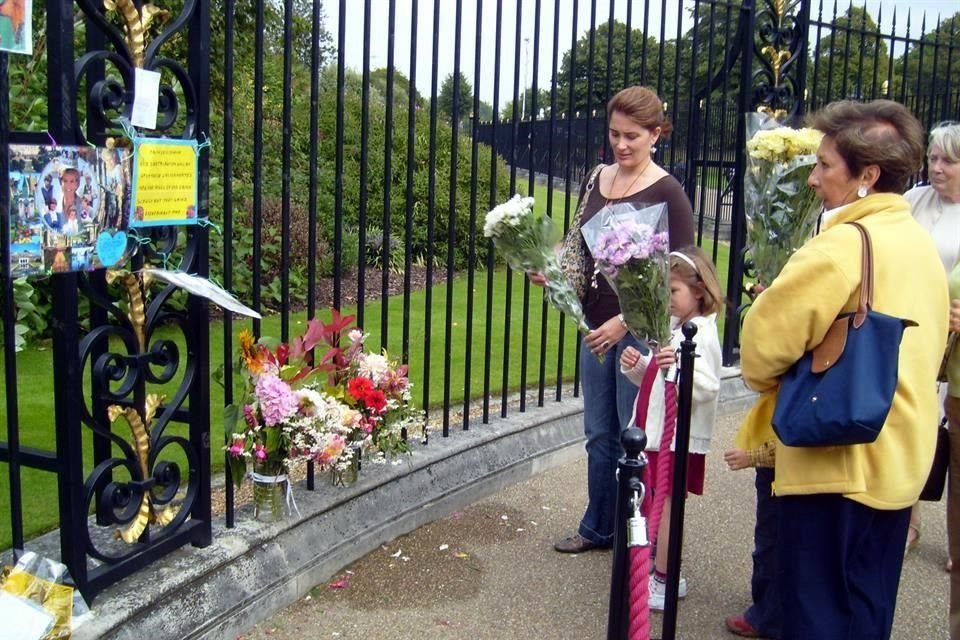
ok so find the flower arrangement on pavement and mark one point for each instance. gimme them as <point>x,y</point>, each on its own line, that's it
<point>781,209</point>
<point>349,403</point>
<point>527,241</point>
<point>282,416</point>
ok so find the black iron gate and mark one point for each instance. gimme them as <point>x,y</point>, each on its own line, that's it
<point>129,355</point>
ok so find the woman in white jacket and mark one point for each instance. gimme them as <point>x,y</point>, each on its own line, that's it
<point>695,296</point>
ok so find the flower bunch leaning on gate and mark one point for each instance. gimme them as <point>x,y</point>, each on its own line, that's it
<point>527,241</point>
<point>781,209</point>
<point>283,415</point>
<point>633,256</point>
<point>375,391</point>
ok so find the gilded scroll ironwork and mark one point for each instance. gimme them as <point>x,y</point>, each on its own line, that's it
<point>779,46</point>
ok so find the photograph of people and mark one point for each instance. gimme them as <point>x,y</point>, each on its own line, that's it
<point>69,184</point>
<point>52,217</point>
<point>71,226</point>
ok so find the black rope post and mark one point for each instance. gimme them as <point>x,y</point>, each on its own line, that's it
<point>684,398</point>
<point>629,483</point>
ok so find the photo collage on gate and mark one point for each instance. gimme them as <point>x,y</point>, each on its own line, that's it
<point>69,208</point>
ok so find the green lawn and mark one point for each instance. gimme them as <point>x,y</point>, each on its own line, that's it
<point>465,327</point>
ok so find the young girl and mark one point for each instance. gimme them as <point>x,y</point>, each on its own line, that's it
<point>695,296</point>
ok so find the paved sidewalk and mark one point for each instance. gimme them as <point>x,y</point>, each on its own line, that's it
<point>489,572</point>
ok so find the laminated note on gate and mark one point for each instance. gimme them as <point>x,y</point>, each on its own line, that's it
<point>165,175</point>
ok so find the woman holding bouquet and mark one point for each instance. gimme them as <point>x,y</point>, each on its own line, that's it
<point>844,510</point>
<point>636,122</point>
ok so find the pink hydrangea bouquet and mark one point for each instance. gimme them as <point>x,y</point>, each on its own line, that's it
<point>630,248</point>
<point>527,241</point>
<point>283,416</point>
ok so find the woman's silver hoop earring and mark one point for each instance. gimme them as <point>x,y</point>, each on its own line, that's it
<point>862,192</point>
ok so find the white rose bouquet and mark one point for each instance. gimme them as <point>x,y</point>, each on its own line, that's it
<point>527,241</point>
<point>781,209</point>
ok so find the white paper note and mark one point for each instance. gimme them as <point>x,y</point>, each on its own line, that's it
<point>205,289</point>
<point>146,98</point>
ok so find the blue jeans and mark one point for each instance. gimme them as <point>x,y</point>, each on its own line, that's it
<point>764,614</point>
<point>608,399</point>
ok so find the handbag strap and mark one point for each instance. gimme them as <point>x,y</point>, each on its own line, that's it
<point>586,194</point>
<point>866,277</point>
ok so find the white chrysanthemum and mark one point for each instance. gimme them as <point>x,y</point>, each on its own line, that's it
<point>509,214</point>
<point>374,366</point>
<point>311,402</point>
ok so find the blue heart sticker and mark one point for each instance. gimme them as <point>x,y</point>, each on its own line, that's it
<point>111,247</point>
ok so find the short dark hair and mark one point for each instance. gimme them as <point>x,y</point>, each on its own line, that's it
<point>880,132</point>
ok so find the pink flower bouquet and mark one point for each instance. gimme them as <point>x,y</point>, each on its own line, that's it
<point>630,248</point>
<point>282,417</point>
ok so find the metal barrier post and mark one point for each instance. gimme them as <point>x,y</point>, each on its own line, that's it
<point>629,482</point>
<point>684,398</point>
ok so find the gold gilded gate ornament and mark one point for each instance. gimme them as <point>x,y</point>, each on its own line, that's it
<point>147,513</point>
<point>136,23</point>
<point>134,285</point>
<point>777,59</point>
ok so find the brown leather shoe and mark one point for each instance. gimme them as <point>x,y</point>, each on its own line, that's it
<point>738,625</point>
<point>576,544</point>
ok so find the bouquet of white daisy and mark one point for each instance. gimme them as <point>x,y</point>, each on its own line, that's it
<point>527,241</point>
<point>781,209</point>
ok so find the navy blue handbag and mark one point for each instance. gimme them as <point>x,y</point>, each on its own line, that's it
<point>840,392</point>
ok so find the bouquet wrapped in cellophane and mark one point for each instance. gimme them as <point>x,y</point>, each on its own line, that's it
<point>631,247</point>
<point>527,241</point>
<point>781,209</point>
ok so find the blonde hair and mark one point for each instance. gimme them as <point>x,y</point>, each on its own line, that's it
<point>946,135</point>
<point>701,277</point>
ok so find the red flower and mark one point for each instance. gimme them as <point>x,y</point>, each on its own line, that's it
<point>359,387</point>
<point>376,400</point>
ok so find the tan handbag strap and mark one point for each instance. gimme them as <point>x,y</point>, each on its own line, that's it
<point>866,276</point>
<point>586,194</point>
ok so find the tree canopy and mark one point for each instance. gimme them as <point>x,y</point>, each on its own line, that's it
<point>464,99</point>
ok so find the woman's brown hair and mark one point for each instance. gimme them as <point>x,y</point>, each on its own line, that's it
<point>643,106</point>
<point>880,132</point>
<point>701,277</point>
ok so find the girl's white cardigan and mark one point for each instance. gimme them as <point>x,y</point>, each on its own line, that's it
<point>706,388</point>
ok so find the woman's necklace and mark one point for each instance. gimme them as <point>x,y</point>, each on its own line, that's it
<point>627,191</point>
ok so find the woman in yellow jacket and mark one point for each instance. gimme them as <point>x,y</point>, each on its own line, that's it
<point>844,510</point>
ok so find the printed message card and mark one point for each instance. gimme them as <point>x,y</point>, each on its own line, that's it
<point>164,182</point>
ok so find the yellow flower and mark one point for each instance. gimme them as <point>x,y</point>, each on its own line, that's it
<point>783,144</point>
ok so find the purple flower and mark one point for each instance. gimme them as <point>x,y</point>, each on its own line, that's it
<point>277,400</point>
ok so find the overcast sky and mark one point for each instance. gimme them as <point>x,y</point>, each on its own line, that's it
<point>658,19</point>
